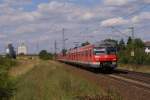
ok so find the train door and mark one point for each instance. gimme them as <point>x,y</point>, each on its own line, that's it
<point>90,55</point>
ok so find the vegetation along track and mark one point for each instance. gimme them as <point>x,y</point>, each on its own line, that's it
<point>127,84</point>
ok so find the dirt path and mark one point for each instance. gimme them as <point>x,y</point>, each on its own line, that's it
<point>24,65</point>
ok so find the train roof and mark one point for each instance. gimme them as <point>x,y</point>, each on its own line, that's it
<point>105,44</point>
<point>95,45</point>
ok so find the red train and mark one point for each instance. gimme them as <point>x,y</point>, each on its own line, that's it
<point>102,56</point>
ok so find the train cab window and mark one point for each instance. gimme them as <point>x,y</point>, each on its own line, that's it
<point>99,51</point>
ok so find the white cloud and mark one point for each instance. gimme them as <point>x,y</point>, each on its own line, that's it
<point>146,1</point>
<point>3,35</point>
<point>116,2</point>
<point>141,17</point>
<point>87,16</point>
<point>16,18</point>
<point>70,11</point>
<point>114,22</point>
<point>17,2</point>
<point>48,19</point>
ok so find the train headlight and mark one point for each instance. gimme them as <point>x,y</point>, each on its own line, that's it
<point>96,63</point>
<point>114,59</point>
<point>96,56</point>
<point>114,63</point>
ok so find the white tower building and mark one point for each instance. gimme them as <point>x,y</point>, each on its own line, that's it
<point>22,49</point>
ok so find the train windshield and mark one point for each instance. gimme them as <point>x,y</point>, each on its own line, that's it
<point>108,50</point>
<point>99,51</point>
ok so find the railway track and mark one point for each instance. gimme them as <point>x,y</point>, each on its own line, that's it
<point>137,78</point>
<point>130,85</point>
<point>136,83</point>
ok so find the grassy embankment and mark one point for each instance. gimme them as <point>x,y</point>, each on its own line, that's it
<point>49,80</point>
<point>137,68</point>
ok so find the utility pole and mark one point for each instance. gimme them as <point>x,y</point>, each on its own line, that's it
<point>37,48</point>
<point>63,32</point>
<point>132,31</point>
<point>64,40</point>
<point>55,45</point>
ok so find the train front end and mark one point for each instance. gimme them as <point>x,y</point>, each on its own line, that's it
<point>105,57</point>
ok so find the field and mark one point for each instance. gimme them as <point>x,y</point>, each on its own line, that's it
<point>49,80</point>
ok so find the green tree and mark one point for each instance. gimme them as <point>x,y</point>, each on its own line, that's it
<point>129,40</point>
<point>121,45</point>
<point>111,40</point>
<point>85,43</point>
<point>139,55</point>
<point>45,55</point>
<point>138,43</point>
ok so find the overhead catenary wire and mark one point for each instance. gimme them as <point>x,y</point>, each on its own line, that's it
<point>117,30</point>
<point>133,13</point>
<point>138,10</point>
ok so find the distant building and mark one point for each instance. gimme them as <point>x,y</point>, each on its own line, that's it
<point>147,47</point>
<point>22,49</point>
<point>10,51</point>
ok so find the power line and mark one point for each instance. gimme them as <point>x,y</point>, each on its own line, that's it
<point>132,30</point>
<point>115,29</point>
<point>144,6</point>
<point>136,11</point>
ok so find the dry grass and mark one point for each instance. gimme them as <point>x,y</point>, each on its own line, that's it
<point>24,65</point>
<point>137,68</point>
<point>49,81</point>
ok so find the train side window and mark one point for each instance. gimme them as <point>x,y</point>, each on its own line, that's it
<point>87,52</point>
<point>84,53</point>
<point>90,53</point>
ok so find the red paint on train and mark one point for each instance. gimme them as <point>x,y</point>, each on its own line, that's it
<point>92,56</point>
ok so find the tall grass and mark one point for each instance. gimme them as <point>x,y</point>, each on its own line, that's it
<point>7,84</point>
<point>50,82</point>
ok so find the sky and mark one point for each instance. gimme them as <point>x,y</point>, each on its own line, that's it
<point>39,23</point>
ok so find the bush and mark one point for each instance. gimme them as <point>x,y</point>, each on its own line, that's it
<point>122,58</point>
<point>147,60</point>
<point>140,57</point>
<point>7,86</point>
<point>6,63</point>
<point>44,55</point>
